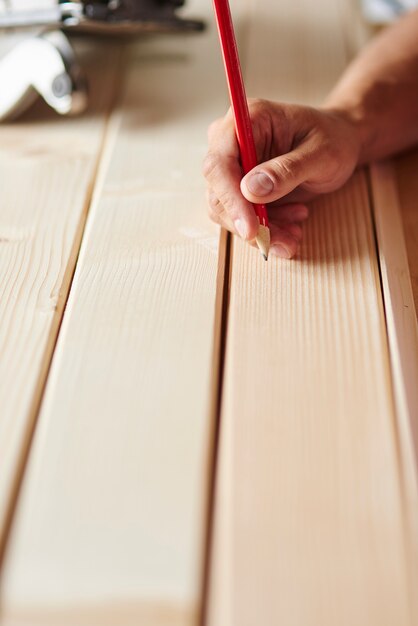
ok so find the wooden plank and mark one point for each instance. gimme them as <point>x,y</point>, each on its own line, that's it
<point>402,327</point>
<point>116,494</point>
<point>399,301</point>
<point>47,170</point>
<point>309,520</point>
<point>305,70</point>
<point>407,180</point>
<point>394,191</point>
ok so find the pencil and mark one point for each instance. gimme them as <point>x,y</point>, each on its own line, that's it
<point>239,106</point>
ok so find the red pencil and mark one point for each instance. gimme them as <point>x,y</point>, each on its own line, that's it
<point>239,105</point>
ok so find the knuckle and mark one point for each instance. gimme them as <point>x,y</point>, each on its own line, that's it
<point>210,165</point>
<point>220,207</point>
<point>226,200</point>
<point>215,205</point>
<point>213,128</point>
<point>218,215</point>
<point>282,118</point>
<point>295,230</point>
<point>256,104</point>
<point>332,155</point>
<point>260,110</point>
<point>283,169</point>
<point>220,125</point>
<point>214,216</point>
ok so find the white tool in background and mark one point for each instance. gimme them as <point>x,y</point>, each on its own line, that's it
<point>385,11</point>
<point>43,65</point>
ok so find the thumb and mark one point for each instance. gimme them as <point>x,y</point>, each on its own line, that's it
<point>274,179</point>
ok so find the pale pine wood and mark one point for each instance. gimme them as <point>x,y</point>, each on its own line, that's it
<point>315,532</point>
<point>47,168</point>
<point>104,613</point>
<point>296,61</point>
<point>310,524</point>
<point>401,324</point>
<point>397,289</point>
<point>116,492</point>
<point>394,192</point>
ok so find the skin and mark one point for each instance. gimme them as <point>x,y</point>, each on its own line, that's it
<point>371,113</point>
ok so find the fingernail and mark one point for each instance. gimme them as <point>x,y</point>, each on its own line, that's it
<point>281,251</point>
<point>241,228</point>
<point>259,184</point>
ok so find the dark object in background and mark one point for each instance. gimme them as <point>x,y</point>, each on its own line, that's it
<point>45,65</point>
<point>104,16</point>
<point>138,14</point>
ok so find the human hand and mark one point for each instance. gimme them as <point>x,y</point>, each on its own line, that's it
<point>302,152</point>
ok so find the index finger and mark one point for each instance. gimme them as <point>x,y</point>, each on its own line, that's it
<point>222,169</point>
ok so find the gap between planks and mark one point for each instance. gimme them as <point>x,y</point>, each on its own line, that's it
<point>220,336</point>
<point>402,335</point>
<point>390,189</point>
<point>351,564</point>
<point>400,314</point>
<point>64,292</point>
<point>126,191</point>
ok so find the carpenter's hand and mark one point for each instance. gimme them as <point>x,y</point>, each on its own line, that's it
<point>301,151</point>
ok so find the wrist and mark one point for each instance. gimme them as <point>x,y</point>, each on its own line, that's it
<point>358,125</point>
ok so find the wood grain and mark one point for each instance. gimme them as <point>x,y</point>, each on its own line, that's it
<point>405,164</point>
<point>105,613</point>
<point>116,494</point>
<point>47,170</point>
<point>402,330</point>
<point>399,302</point>
<point>299,49</point>
<point>316,529</point>
<point>310,524</point>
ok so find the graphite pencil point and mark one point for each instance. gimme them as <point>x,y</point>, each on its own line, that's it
<point>263,240</point>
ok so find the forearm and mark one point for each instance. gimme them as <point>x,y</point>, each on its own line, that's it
<point>379,91</point>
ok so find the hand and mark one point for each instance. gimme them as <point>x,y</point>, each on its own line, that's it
<point>302,152</point>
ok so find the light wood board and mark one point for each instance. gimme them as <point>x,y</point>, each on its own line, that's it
<point>402,327</point>
<point>397,290</point>
<point>310,523</point>
<point>47,171</point>
<point>113,512</point>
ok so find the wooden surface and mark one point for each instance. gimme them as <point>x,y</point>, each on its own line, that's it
<point>129,400</point>
<point>401,320</point>
<point>309,515</point>
<point>315,500</point>
<point>47,175</point>
<point>402,331</point>
<point>217,439</point>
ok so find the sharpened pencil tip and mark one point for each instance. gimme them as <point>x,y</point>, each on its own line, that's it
<point>263,241</point>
